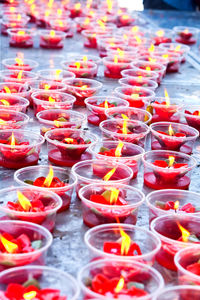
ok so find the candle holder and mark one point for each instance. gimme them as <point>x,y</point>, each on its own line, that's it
<point>135,72</point>
<point>167,169</point>
<point>51,39</point>
<point>21,37</point>
<point>93,171</point>
<point>59,118</point>
<point>67,146</point>
<point>43,100</point>
<point>82,88</point>
<point>50,281</point>
<point>17,76</point>
<point>105,241</point>
<point>85,57</point>
<point>172,60</point>
<point>29,204</point>
<point>12,119</point>
<point>186,35</point>
<point>62,182</point>
<point>187,263</point>
<point>128,154</point>
<point>124,130</point>
<point>100,206</point>
<point>19,148</point>
<point>162,35</point>
<point>151,67</point>
<point>17,89</point>
<point>184,292</point>
<point>126,51</point>
<point>12,102</point>
<point>136,96</point>
<point>34,240</point>
<point>192,115</point>
<point>172,201</point>
<point>181,49</point>
<point>90,38</point>
<point>55,74</point>
<point>80,68</point>
<point>83,23</point>
<point>97,107</point>
<point>13,22</point>
<point>176,231</point>
<point>62,24</point>
<point>113,65</point>
<point>105,271</point>
<point>173,136</point>
<point>141,82</point>
<point>22,64</point>
<point>132,113</point>
<point>165,109</point>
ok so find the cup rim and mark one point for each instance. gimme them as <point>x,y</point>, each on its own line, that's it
<point>135,69</point>
<point>123,102</point>
<point>72,113</point>
<point>97,84</point>
<point>69,97</point>
<point>151,94</point>
<point>175,287</point>
<point>25,117</point>
<point>33,63</point>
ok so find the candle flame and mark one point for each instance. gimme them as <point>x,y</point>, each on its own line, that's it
<point>109,5</point>
<point>151,48</point>
<point>115,59</point>
<point>30,295</point>
<point>186,30</point>
<point>85,58</point>
<point>120,285</point>
<point>4,102</point>
<point>125,242</point>
<point>152,59</point>
<point>106,104</point>
<point>125,17</point>
<point>138,39</point>
<point>118,151</point>
<point>135,29</point>
<point>109,174</point>
<point>77,64</point>
<point>178,48</point>
<point>69,140</point>
<point>2,122</point>
<point>135,96</point>
<point>125,36</point>
<point>185,233</point>
<point>77,6</point>
<point>9,246</point>
<point>50,3</point>
<point>52,33</point>
<point>171,161</point>
<point>19,17</point>
<point>148,69</point>
<point>56,123</point>
<point>6,88</point>
<point>49,178</point>
<point>89,3</point>
<point>52,100</point>
<point>160,33</point>
<point>170,130</point>
<point>114,195</point>
<point>101,24</point>
<point>120,52</point>
<point>176,205</point>
<point>23,201</point>
<point>19,76</point>
<point>19,61</point>
<point>21,32</point>
<point>12,140</point>
<point>167,98</point>
<point>86,21</point>
<point>84,87</point>
<point>59,12</point>
<point>57,73</point>
<point>60,23</point>
<point>46,86</point>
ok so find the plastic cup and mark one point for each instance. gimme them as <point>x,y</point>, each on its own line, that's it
<point>186,35</point>
<point>10,119</point>
<point>114,268</point>
<point>28,64</point>
<point>13,102</point>
<point>17,76</point>
<point>17,89</point>
<point>192,115</point>
<point>27,176</point>
<point>55,74</point>
<point>46,218</point>
<point>86,69</point>
<point>135,81</point>
<point>51,39</point>
<point>35,233</point>
<point>112,68</point>
<point>66,153</point>
<point>47,278</point>
<point>159,176</point>
<point>135,72</point>
<point>184,292</point>
<point>138,131</point>
<point>167,228</point>
<point>147,241</point>
<point>176,48</point>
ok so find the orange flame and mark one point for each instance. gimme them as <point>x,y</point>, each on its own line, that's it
<point>171,161</point>
<point>109,5</point>
<point>85,58</point>
<point>46,86</point>
<point>6,88</point>
<point>118,151</point>
<point>115,59</point>
<point>114,195</point>
<point>139,41</point>
<point>19,76</point>
<point>120,52</point>
<point>56,123</point>
<point>151,48</point>
<point>106,104</point>
<point>57,73</point>
<point>9,246</point>
<point>84,87</point>
<point>86,21</point>
<point>148,69</point>
<point>77,64</point>
<point>125,242</point>
<point>4,102</point>
<point>167,98</point>
<point>109,174</point>
<point>176,205</point>
<point>160,33</point>
<point>23,201</point>
<point>101,24</point>
<point>52,33</point>
<point>135,29</point>
<point>49,178</point>
<point>69,140</point>
<point>52,100</point>
<point>12,140</point>
<point>120,285</point>
<point>19,61</point>
<point>30,295</point>
<point>170,130</point>
<point>59,12</point>
<point>2,122</point>
<point>185,233</point>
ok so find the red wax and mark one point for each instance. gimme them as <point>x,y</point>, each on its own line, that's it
<point>165,256</point>
<point>163,112</point>
<point>17,163</point>
<point>97,116</point>
<point>186,38</point>
<point>82,93</point>
<point>23,66</point>
<point>188,208</point>
<point>115,248</point>
<point>159,40</point>
<point>55,156</point>
<point>114,70</point>
<point>192,121</point>
<point>51,42</point>
<point>124,20</point>
<point>21,41</point>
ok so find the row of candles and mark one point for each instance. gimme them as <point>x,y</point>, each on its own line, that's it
<point>121,262</point>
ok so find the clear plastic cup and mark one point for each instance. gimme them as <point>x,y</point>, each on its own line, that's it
<point>131,112</point>
<point>43,100</point>
<point>85,57</point>
<point>130,154</point>
<point>192,115</point>
<point>187,261</point>
<point>167,228</point>
<point>112,129</point>
<point>135,81</point>
<point>51,39</point>
<point>19,148</point>
<point>13,102</point>
<point>186,35</point>
<point>135,72</point>
<point>115,268</point>
<point>17,89</point>
<point>28,64</point>
<point>176,48</point>
<point>55,74</point>
<point>97,107</point>
<point>184,292</point>
<point>93,171</point>
<point>167,169</point>
<point>136,96</point>
<point>81,69</point>
<point>173,136</point>
<point>35,233</point>
<point>162,35</point>
<point>113,65</point>
<point>13,22</point>
<point>82,88</point>
<point>163,202</point>
<point>67,146</point>
<point>17,76</point>
<point>47,278</point>
<point>10,119</point>
<point>62,24</point>
<point>27,177</point>
<point>60,118</point>
<point>97,237</point>
<point>45,217</point>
